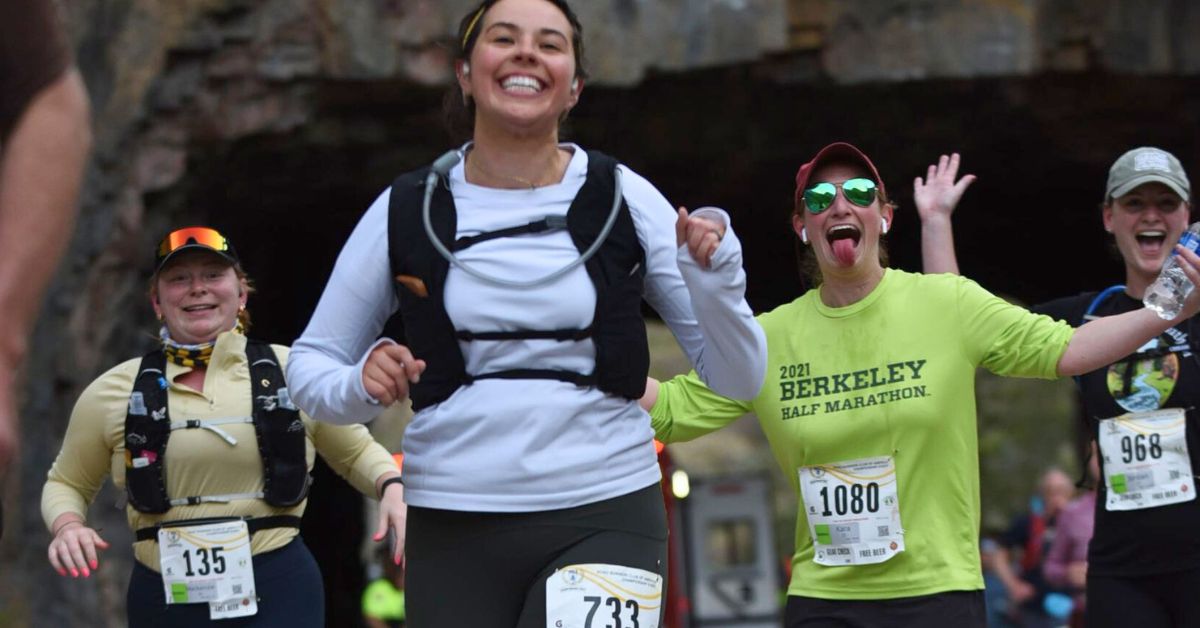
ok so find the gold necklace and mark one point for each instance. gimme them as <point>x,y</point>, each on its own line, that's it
<point>474,163</point>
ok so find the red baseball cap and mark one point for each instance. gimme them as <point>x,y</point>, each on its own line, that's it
<point>840,151</point>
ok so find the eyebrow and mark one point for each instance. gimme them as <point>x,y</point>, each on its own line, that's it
<point>543,31</point>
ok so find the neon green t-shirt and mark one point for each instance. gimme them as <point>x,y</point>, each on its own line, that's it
<point>891,375</point>
<point>382,600</point>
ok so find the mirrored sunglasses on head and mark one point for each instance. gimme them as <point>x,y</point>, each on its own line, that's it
<point>820,196</point>
<point>192,235</point>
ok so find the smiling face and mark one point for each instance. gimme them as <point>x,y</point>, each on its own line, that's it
<point>198,295</point>
<point>522,67</point>
<point>844,237</point>
<point>1145,224</point>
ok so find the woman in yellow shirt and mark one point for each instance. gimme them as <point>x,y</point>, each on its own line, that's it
<point>213,456</point>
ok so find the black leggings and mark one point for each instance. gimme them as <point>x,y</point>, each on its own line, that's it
<point>489,570</point>
<point>961,609</point>
<point>287,582</point>
<point>1158,601</point>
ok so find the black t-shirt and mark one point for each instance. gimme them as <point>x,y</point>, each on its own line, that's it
<point>1151,540</point>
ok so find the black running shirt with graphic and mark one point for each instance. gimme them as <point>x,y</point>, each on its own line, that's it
<point>1165,373</point>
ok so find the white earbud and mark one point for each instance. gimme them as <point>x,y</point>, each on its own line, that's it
<point>466,68</point>
<point>804,234</point>
<point>885,225</point>
<point>574,86</point>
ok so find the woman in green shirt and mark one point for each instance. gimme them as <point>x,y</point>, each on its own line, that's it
<point>869,408</point>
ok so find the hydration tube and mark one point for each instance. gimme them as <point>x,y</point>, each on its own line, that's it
<point>1100,298</point>
<point>441,168</point>
<point>1089,315</point>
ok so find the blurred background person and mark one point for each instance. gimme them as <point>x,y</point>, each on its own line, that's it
<point>1022,550</point>
<point>1065,567</point>
<point>45,137</point>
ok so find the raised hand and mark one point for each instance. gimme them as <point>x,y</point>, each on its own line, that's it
<point>936,197</point>
<point>938,193</point>
<point>701,235</point>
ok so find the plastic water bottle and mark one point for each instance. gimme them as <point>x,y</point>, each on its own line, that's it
<point>1166,295</point>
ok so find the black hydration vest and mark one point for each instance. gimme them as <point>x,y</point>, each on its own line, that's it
<point>277,425</point>
<point>617,271</point>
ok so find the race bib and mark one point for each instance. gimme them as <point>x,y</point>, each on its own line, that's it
<point>209,563</point>
<point>1146,462</point>
<point>598,596</point>
<point>853,511</point>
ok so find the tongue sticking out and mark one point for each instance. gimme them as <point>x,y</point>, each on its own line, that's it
<point>843,250</point>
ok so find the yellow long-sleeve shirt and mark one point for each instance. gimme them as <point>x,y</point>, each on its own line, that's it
<point>198,462</point>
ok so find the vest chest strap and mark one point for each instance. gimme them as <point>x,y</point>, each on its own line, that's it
<point>570,377</point>
<point>549,223</point>
<point>211,425</point>
<point>561,335</point>
<point>218,499</point>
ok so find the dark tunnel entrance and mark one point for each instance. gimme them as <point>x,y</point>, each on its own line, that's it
<point>732,137</point>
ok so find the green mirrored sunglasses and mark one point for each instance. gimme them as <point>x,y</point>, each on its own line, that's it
<point>860,191</point>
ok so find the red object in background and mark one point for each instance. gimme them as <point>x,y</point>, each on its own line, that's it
<point>675,601</point>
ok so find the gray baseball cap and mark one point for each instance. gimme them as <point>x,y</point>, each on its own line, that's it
<point>1144,165</point>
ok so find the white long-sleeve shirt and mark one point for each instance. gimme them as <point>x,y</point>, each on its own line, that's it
<point>502,445</point>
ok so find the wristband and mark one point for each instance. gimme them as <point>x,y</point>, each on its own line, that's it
<point>387,482</point>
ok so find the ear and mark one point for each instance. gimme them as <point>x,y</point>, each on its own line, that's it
<point>1106,213</point>
<point>889,215</point>
<point>154,303</point>
<point>576,90</point>
<point>243,291</point>
<point>797,223</point>
<point>462,72</point>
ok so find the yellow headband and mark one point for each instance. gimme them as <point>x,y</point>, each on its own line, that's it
<point>471,27</point>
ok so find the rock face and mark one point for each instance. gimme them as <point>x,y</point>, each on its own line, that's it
<point>287,89</point>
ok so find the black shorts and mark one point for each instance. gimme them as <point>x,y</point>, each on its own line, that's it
<point>961,609</point>
<point>287,582</point>
<point>489,570</point>
<point>1166,600</point>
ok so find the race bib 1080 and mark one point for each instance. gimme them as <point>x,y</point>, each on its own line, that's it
<point>853,511</point>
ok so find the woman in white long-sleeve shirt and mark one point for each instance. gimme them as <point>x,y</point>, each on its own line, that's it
<point>529,470</point>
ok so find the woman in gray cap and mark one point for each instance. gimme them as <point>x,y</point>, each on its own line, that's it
<point>1144,559</point>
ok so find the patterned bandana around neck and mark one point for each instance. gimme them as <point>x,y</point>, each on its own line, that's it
<point>191,356</point>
